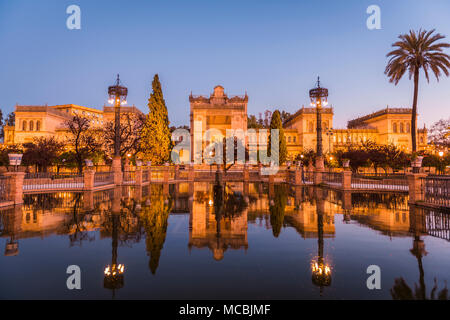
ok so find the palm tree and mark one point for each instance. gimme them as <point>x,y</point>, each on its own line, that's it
<point>414,51</point>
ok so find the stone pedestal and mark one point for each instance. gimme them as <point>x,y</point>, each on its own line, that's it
<point>117,170</point>
<point>347,201</point>
<point>318,171</point>
<point>177,172</point>
<point>415,187</point>
<point>88,178</point>
<point>138,176</point>
<point>166,174</point>
<point>88,200</point>
<point>320,164</point>
<point>298,176</point>
<point>246,173</point>
<point>15,192</point>
<point>116,205</point>
<point>191,174</point>
<point>347,180</point>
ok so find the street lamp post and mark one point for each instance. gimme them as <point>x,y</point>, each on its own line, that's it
<point>329,134</point>
<point>319,98</point>
<point>117,97</point>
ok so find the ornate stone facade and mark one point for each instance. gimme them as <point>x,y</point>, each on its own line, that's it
<point>48,121</point>
<point>387,126</point>
<point>216,112</point>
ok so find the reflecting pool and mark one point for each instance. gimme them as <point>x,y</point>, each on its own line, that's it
<point>231,241</point>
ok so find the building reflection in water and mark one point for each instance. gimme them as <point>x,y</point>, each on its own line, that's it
<point>219,215</point>
<point>423,221</point>
<point>218,219</point>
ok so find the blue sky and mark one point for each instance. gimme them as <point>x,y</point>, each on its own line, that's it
<point>274,50</point>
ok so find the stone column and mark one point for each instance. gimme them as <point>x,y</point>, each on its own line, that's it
<point>298,195</point>
<point>166,173</point>
<point>15,193</point>
<point>88,178</point>
<point>347,200</point>
<point>298,176</point>
<point>347,180</point>
<point>177,172</point>
<point>191,174</point>
<point>115,203</point>
<point>117,170</point>
<point>318,172</point>
<point>88,200</point>
<point>138,176</point>
<point>246,174</point>
<point>415,187</point>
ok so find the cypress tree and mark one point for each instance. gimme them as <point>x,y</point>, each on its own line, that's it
<point>275,123</point>
<point>156,137</point>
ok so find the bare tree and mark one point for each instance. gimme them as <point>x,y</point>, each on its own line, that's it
<point>83,139</point>
<point>129,132</point>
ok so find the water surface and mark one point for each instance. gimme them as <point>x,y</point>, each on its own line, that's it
<point>235,241</point>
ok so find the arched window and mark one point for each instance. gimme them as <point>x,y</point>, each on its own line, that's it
<point>24,126</point>
<point>31,125</point>
<point>402,127</point>
<point>394,127</point>
<point>38,125</point>
<point>408,128</point>
<point>294,139</point>
<point>289,139</point>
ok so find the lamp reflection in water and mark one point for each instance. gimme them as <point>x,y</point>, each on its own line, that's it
<point>321,271</point>
<point>114,273</point>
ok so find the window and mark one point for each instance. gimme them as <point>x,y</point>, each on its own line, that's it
<point>408,128</point>
<point>394,127</point>
<point>38,125</point>
<point>24,126</point>
<point>289,139</point>
<point>402,128</point>
<point>31,125</point>
<point>295,138</point>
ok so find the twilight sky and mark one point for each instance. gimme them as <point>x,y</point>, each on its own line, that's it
<point>274,50</point>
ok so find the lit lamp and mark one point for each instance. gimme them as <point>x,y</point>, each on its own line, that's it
<point>321,271</point>
<point>114,276</point>
<point>114,273</point>
<point>117,97</point>
<point>441,154</point>
<point>15,159</point>
<point>319,98</point>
